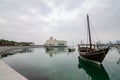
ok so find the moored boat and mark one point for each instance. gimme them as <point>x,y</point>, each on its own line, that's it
<point>71,49</point>
<point>90,52</point>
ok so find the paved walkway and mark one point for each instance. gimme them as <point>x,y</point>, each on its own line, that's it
<point>7,73</point>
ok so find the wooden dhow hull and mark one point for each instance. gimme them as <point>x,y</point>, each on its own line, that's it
<point>85,49</point>
<point>95,56</point>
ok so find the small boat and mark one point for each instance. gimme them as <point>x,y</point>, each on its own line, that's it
<point>91,53</point>
<point>49,48</point>
<point>71,49</point>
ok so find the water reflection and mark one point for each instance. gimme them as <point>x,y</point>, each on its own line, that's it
<point>96,72</point>
<point>51,51</point>
<point>13,52</point>
<point>118,48</point>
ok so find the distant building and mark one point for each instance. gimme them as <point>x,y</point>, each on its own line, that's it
<point>53,42</point>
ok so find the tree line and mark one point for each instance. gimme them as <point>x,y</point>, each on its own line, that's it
<point>4,42</point>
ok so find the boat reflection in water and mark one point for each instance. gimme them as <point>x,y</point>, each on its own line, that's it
<point>55,50</point>
<point>96,72</point>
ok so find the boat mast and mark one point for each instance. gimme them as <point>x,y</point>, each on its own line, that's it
<point>89,32</point>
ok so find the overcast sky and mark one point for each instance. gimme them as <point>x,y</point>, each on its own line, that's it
<point>37,20</point>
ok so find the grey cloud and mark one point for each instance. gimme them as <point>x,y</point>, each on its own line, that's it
<point>36,20</point>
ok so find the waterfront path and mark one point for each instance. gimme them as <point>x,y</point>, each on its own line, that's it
<point>7,73</point>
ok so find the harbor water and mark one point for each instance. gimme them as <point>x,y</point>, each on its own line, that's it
<point>59,64</point>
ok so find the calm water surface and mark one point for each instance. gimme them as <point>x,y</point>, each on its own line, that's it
<point>58,64</point>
